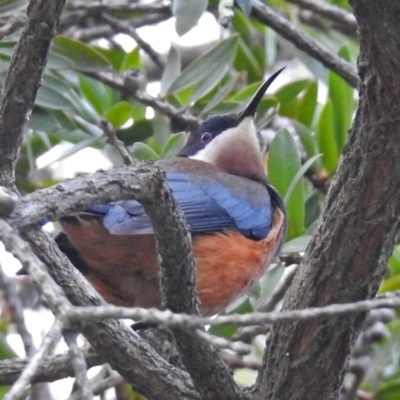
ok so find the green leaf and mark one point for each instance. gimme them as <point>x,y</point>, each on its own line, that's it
<point>84,57</point>
<point>292,89</point>
<point>299,175</point>
<point>341,94</point>
<point>390,284</point>
<point>244,5</point>
<point>283,165</point>
<point>187,14</point>
<point>326,138</point>
<point>308,104</point>
<point>41,120</point>
<point>10,8</point>
<point>245,93</point>
<point>308,140</point>
<point>220,57</point>
<point>6,352</point>
<point>98,94</point>
<point>221,94</point>
<point>59,85</point>
<point>246,61</point>
<point>297,245</point>
<point>119,113</point>
<point>114,56</point>
<point>267,285</point>
<point>140,130</point>
<point>132,60</point>
<point>173,145</point>
<point>57,62</point>
<point>208,83</point>
<point>63,119</point>
<point>171,70</point>
<point>142,151</point>
<point>49,98</point>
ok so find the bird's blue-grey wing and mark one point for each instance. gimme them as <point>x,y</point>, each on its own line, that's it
<point>208,205</point>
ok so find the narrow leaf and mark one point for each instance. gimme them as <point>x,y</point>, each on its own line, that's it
<point>297,245</point>
<point>119,113</point>
<point>326,138</point>
<point>187,14</point>
<point>221,94</point>
<point>308,104</point>
<point>49,98</point>
<point>341,94</point>
<point>84,57</point>
<point>299,175</point>
<point>244,5</point>
<point>97,94</point>
<point>171,70</point>
<point>173,145</point>
<point>218,57</point>
<point>142,151</point>
<point>283,165</point>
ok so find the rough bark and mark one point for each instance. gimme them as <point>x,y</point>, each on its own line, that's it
<point>347,257</point>
<point>23,80</point>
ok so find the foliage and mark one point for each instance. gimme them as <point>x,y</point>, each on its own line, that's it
<point>311,113</point>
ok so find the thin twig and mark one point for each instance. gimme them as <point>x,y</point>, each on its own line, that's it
<point>247,334</point>
<point>280,289</point>
<point>111,135</point>
<point>184,117</point>
<point>193,321</point>
<point>17,312</point>
<point>235,362</point>
<point>304,42</point>
<point>13,24</point>
<point>80,367</point>
<point>222,343</point>
<point>96,7</point>
<point>131,31</point>
<point>20,249</point>
<point>330,12</point>
<point>29,371</point>
<point>100,387</point>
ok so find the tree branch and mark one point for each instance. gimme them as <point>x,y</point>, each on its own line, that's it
<point>51,368</point>
<point>122,348</point>
<point>348,255</point>
<point>182,116</point>
<point>330,12</point>
<point>23,80</point>
<point>177,266</point>
<point>30,369</point>
<point>304,42</point>
<point>129,30</point>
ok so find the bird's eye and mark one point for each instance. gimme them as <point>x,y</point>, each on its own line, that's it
<point>206,137</point>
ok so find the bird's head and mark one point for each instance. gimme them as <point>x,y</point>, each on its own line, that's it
<point>231,141</point>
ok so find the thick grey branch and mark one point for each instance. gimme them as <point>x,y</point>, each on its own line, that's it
<point>123,349</point>
<point>138,181</point>
<point>23,80</point>
<point>51,369</point>
<point>348,255</point>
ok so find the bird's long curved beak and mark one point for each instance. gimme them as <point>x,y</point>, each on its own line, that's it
<point>251,108</point>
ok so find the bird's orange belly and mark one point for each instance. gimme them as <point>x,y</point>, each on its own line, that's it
<point>124,269</point>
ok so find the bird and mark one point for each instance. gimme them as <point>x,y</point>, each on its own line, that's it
<point>236,218</point>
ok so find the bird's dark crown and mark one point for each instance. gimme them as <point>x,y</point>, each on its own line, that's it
<point>216,125</point>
